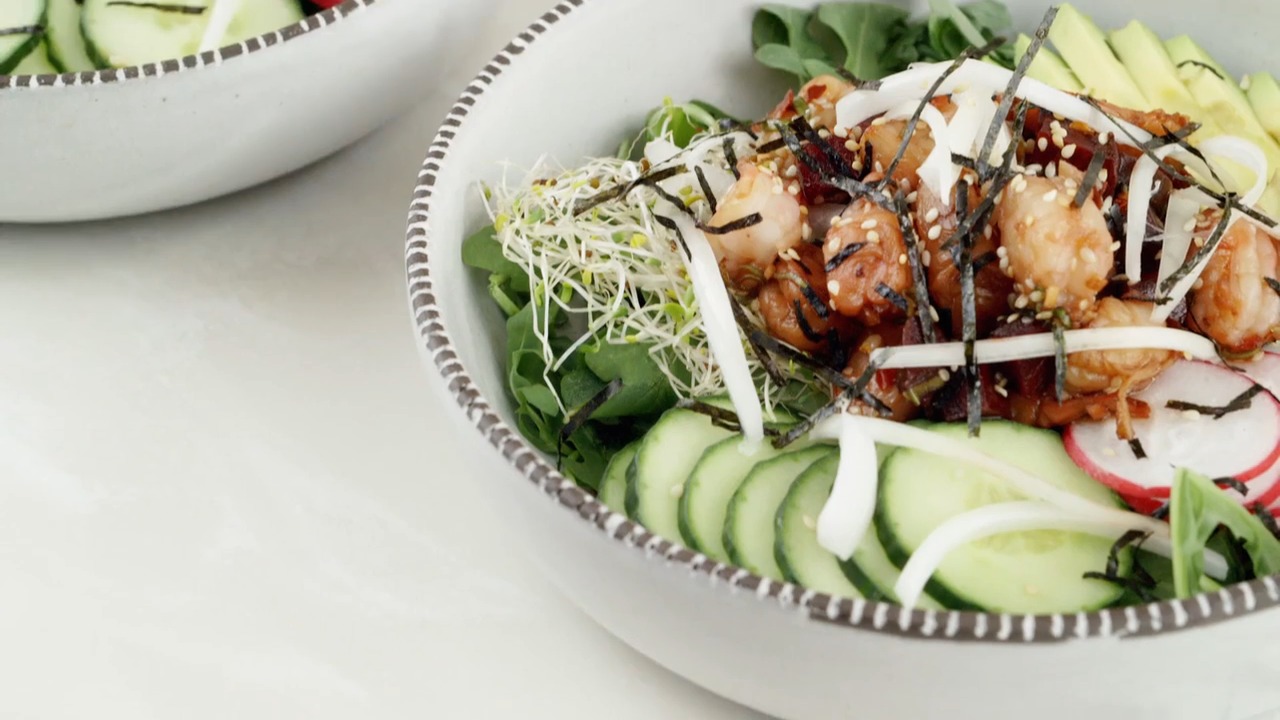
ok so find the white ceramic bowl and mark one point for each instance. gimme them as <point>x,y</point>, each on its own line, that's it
<point>568,87</point>
<point>121,142</point>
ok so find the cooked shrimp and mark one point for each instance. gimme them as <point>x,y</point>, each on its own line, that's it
<point>867,273</point>
<point>883,138</point>
<point>1059,256</point>
<point>1234,305</point>
<point>1112,371</point>
<point>794,301</point>
<point>935,225</point>
<point>818,98</point>
<point>1156,122</point>
<point>744,254</point>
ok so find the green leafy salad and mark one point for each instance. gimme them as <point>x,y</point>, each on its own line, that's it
<point>971,318</point>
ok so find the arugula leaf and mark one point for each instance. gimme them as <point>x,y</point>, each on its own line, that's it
<point>645,390</point>
<point>1198,510</point>
<point>783,25</point>
<point>866,30</point>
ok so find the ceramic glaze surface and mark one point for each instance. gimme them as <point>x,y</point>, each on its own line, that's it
<point>773,646</point>
<point>123,142</point>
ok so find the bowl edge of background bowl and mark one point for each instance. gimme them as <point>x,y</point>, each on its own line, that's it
<point>197,61</point>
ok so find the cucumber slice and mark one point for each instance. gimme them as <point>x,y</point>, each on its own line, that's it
<point>710,487</point>
<point>613,486</point>
<point>1029,572</point>
<point>124,35</point>
<point>67,50</point>
<point>750,525</point>
<point>36,63</point>
<point>800,558</point>
<point>667,454</point>
<point>19,15</point>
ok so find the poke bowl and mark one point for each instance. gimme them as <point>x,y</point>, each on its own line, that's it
<point>867,360</point>
<point>116,108</point>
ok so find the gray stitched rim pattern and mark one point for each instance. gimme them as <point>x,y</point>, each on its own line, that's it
<point>190,62</point>
<point>1141,621</point>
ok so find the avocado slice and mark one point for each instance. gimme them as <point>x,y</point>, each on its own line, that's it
<point>1047,67</point>
<point>1144,56</point>
<point>1264,96</point>
<point>1085,50</point>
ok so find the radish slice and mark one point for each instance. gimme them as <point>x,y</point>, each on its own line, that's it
<point>1264,370</point>
<point>1244,444</point>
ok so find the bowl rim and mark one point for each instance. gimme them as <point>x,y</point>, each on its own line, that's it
<point>196,61</point>
<point>1147,620</point>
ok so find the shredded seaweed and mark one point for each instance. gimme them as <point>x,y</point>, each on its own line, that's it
<point>912,122</point>
<point>1135,446</point>
<point>1243,401</point>
<point>919,281</point>
<point>808,424</point>
<point>845,253</point>
<point>1139,581</point>
<point>762,354</point>
<point>671,225</point>
<point>1091,176</point>
<point>1206,66</point>
<point>969,318</point>
<point>23,30</point>
<point>1233,484</point>
<point>810,334</point>
<point>621,190</point>
<point>1202,255</point>
<point>1006,102</point>
<point>1268,520</point>
<point>1273,284</point>
<point>163,7</point>
<point>731,157</point>
<point>680,204</point>
<point>772,146</point>
<point>741,223</point>
<point>707,192</point>
<point>893,296</point>
<point>804,130</point>
<point>855,188</point>
<point>1060,361</point>
<point>583,414</point>
<point>1161,512</point>
<point>827,374</point>
<point>983,260</point>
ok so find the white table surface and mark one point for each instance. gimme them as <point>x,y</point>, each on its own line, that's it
<point>226,489</point>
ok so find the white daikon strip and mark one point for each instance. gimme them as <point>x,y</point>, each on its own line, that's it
<point>937,171</point>
<point>722,329</point>
<point>1179,227</point>
<point>221,13</point>
<point>846,517</point>
<point>1247,154</point>
<point>1042,345</point>
<point>1013,517</point>
<point>1140,190</point>
<point>861,105</point>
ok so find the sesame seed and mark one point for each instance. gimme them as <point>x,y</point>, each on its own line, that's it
<point>902,259</point>
<point>1011,319</point>
<point>935,232</point>
<point>833,287</point>
<point>879,121</point>
<point>1088,255</point>
<point>1043,144</point>
<point>1109,452</point>
<point>944,374</point>
<point>932,215</point>
<point>806,232</point>
<point>933,313</point>
<point>1104,137</point>
<point>793,171</point>
<point>1103,175</point>
<point>1115,246</point>
<point>1044,315</point>
<point>842,132</point>
<point>1051,296</point>
<point>869,224</point>
<point>1029,220</point>
<point>1001,391</point>
<point>1037,296</point>
<point>851,145</point>
<point>1190,225</point>
<point>1021,303</point>
<point>912,197</point>
<point>794,188</point>
<point>1191,414</point>
<point>1002,252</point>
<point>873,237</point>
<point>879,167</point>
<point>1051,171</point>
<point>1051,195</point>
<point>926,258</point>
<point>1083,305</point>
<point>824,133</point>
<point>1068,151</point>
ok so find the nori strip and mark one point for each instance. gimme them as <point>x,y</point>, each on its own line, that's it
<point>964,162</point>
<point>771,146</point>
<point>1206,66</point>
<point>777,347</point>
<point>1274,285</point>
<point>847,252</point>
<point>23,30</point>
<point>804,428</point>
<point>1059,362</point>
<point>671,225</point>
<point>1090,179</point>
<point>1006,102</point>
<point>1149,151</point>
<point>806,131</point>
<point>731,157</point>
<point>1135,446</point>
<point>855,188</point>
<point>919,281</point>
<point>1201,255</point>
<point>1268,520</point>
<point>741,223</point>
<point>984,260</point>
<point>1240,559</point>
<point>707,192</point>
<point>805,328</point>
<point>583,414</point>
<point>1243,401</point>
<point>749,330</point>
<point>680,205</point>
<point>1161,512</point>
<point>893,296</point>
<point>1233,484</point>
<point>165,7</point>
<point>720,417</point>
<point>909,133</point>
<point>618,191</point>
